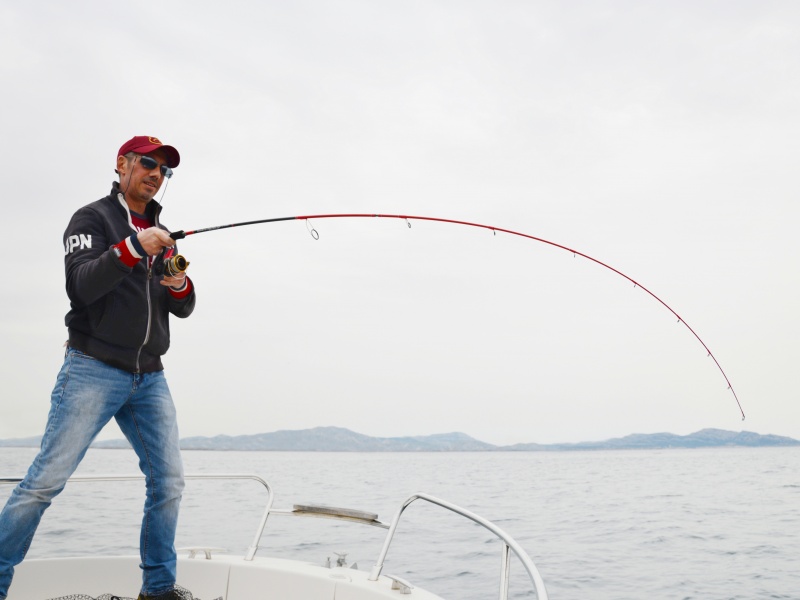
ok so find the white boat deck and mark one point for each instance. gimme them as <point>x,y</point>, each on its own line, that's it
<point>225,577</point>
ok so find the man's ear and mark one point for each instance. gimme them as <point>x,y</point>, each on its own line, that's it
<point>122,164</point>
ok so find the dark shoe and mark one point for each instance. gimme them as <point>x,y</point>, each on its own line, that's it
<point>170,595</point>
<point>179,593</point>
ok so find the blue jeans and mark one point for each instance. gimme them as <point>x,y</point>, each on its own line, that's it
<point>87,394</point>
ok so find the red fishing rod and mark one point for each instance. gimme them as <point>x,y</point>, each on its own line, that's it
<point>179,235</point>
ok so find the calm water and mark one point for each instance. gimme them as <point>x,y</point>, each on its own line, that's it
<point>705,524</point>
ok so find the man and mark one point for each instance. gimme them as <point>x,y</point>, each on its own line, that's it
<point>115,249</point>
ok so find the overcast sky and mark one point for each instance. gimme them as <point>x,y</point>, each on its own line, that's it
<point>658,137</point>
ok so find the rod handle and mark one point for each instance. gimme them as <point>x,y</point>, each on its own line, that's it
<point>178,235</point>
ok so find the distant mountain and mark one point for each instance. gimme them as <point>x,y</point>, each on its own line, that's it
<point>338,439</point>
<point>22,442</point>
<point>705,438</point>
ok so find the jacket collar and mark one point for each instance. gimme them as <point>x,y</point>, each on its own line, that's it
<point>152,210</point>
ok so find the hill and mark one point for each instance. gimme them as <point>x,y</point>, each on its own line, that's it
<point>338,439</point>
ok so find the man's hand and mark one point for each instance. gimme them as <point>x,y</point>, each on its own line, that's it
<point>175,281</point>
<point>154,239</point>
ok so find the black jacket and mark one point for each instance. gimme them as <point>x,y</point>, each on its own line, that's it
<point>119,314</point>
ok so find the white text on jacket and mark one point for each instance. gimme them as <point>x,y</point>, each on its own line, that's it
<point>77,242</point>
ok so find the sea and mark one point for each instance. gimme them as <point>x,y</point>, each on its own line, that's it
<point>719,523</point>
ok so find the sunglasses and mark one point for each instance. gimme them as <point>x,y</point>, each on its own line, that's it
<point>150,163</point>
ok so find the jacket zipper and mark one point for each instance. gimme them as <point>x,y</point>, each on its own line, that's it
<point>149,318</point>
<point>124,204</point>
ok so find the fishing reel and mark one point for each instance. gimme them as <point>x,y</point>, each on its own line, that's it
<point>172,266</point>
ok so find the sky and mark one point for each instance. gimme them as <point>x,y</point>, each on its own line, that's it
<point>660,138</point>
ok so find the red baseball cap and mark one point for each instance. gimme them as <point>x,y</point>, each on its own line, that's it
<point>145,144</point>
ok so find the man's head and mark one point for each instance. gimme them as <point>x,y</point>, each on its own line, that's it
<point>144,144</point>
<point>142,163</point>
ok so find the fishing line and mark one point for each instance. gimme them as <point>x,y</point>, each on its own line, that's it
<point>179,235</point>
<point>164,191</point>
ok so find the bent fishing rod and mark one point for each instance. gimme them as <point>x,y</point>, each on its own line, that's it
<point>179,235</point>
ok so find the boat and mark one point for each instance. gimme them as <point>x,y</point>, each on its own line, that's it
<point>207,572</point>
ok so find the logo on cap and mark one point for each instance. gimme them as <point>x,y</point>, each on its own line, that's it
<point>153,140</point>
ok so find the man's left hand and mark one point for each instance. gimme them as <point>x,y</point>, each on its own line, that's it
<point>175,281</point>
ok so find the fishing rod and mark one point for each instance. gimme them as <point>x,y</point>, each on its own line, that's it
<point>179,235</point>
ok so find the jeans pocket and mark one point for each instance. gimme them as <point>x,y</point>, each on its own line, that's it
<point>79,354</point>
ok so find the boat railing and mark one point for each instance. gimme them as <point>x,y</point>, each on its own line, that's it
<point>321,511</point>
<point>508,545</point>
<point>251,550</point>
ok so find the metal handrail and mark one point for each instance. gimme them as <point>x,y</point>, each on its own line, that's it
<point>508,544</point>
<point>251,550</point>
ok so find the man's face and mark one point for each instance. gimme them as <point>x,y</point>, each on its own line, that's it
<point>137,182</point>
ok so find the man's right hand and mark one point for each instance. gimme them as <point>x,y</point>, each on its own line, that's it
<point>154,239</point>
